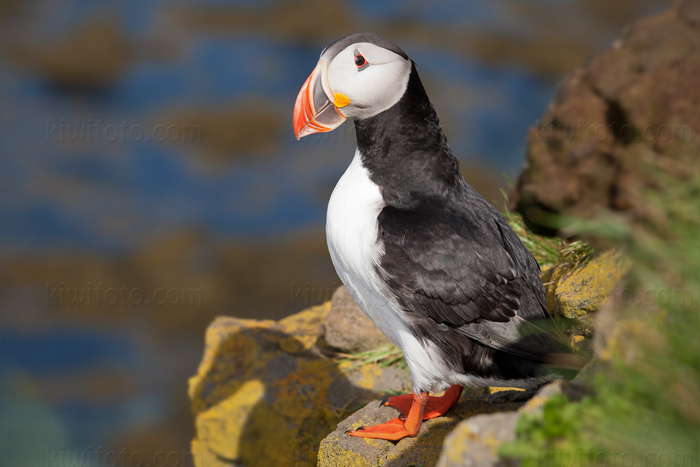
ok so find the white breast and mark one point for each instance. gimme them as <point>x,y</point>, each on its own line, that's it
<point>351,232</point>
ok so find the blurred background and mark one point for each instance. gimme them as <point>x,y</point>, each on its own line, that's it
<point>150,181</point>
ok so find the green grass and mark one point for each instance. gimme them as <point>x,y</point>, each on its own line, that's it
<point>547,251</point>
<point>646,404</point>
<point>576,252</point>
<point>385,355</point>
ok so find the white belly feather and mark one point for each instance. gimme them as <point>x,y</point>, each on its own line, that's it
<point>351,231</point>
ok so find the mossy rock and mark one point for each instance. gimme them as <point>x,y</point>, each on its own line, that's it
<point>476,440</point>
<point>339,448</point>
<point>265,393</point>
<point>576,290</point>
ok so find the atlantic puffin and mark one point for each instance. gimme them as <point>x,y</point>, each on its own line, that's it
<point>435,266</point>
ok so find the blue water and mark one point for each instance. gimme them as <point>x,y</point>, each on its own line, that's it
<point>157,185</point>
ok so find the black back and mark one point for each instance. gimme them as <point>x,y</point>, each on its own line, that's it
<point>406,151</point>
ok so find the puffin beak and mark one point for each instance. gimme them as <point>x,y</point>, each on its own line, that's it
<point>317,107</point>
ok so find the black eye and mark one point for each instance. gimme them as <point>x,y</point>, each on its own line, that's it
<point>360,61</point>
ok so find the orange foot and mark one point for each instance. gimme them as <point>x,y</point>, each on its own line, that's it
<point>435,406</point>
<point>395,429</point>
<point>416,408</point>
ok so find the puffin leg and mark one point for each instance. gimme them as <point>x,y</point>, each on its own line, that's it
<point>396,429</point>
<point>435,406</point>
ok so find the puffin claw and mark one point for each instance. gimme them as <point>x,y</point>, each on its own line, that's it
<point>393,430</point>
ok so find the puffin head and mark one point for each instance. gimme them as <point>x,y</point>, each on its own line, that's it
<point>358,76</point>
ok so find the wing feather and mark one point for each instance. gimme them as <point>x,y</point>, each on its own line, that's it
<point>459,264</point>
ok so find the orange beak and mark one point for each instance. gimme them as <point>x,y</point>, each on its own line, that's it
<point>316,108</point>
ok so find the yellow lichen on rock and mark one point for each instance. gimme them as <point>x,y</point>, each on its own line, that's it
<point>576,290</point>
<point>241,350</point>
<point>306,326</point>
<point>495,389</point>
<point>242,411</point>
<point>217,426</point>
<point>477,440</point>
<point>265,394</point>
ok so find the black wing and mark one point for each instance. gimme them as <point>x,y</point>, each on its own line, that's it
<point>460,271</point>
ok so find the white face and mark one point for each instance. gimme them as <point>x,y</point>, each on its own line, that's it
<point>373,87</point>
